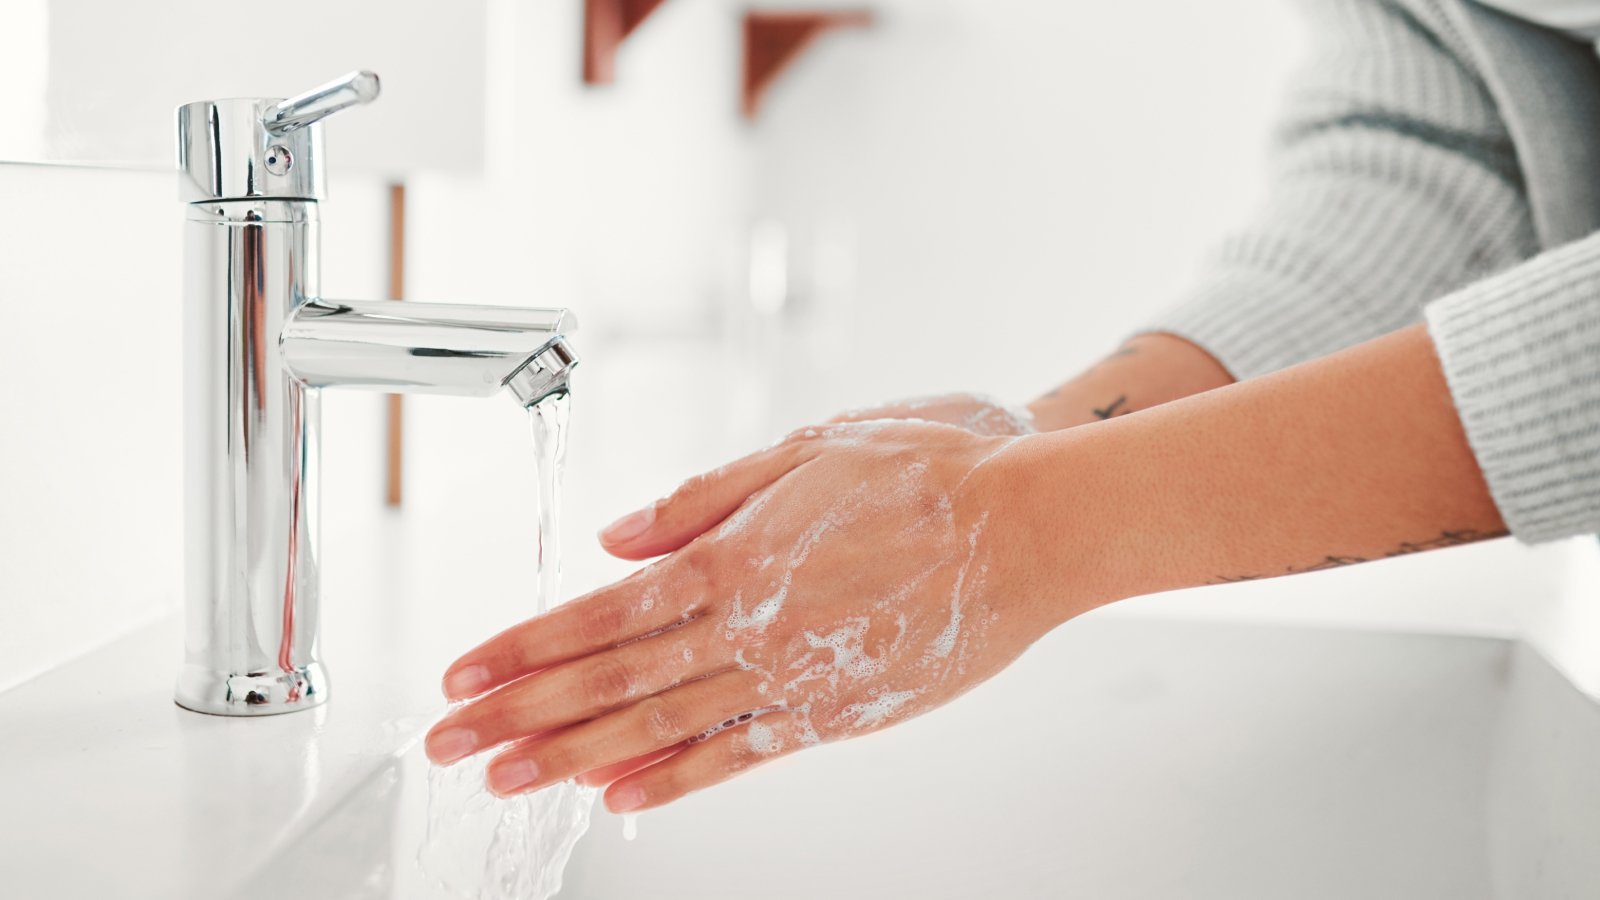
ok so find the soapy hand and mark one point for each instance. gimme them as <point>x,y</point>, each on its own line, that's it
<point>845,579</point>
<point>974,412</point>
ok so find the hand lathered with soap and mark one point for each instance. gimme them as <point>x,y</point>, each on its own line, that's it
<point>1396,356</point>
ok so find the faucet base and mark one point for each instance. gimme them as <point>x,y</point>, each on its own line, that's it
<point>251,694</point>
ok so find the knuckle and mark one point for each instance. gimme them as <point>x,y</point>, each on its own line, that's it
<point>555,759</point>
<point>603,624</point>
<point>663,720</point>
<point>697,568</point>
<point>606,680</point>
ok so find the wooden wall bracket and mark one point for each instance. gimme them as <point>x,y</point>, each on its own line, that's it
<point>606,24</point>
<point>773,39</point>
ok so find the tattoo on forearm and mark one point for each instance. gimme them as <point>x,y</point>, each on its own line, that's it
<point>1445,539</point>
<point>1111,410</point>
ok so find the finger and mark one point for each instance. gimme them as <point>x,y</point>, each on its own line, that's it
<point>702,501</point>
<point>664,595</point>
<point>712,761</point>
<point>579,690</point>
<point>606,774</point>
<point>655,723</point>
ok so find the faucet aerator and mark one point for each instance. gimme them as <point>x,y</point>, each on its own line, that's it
<point>544,374</point>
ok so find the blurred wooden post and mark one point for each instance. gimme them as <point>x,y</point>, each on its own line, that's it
<point>606,23</point>
<point>394,427</point>
<point>774,38</point>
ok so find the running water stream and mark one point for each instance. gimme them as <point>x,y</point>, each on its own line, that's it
<point>478,846</point>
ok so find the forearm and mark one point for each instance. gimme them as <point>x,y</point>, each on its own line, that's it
<point>1147,371</point>
<point>1356,456</point>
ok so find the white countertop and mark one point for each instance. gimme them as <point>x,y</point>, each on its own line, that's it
<point>1161,758</point>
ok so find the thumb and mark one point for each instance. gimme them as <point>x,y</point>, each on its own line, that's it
<point>701,502</point>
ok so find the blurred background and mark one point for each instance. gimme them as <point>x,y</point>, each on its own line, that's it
<point>978,195</point>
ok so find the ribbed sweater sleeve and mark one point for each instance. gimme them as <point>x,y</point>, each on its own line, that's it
<point>1521,352</point>
<point>1397,188</point>
<point>1394,182</point>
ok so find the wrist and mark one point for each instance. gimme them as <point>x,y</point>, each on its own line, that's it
<point>1057,517</point>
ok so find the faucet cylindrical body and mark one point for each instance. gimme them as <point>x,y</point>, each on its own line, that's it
<point>260,342</point>
<point>250,462</point>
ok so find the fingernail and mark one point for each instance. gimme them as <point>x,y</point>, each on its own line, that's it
<point>512,777</point>
<point>451,744</point>
<point>466,683</point>
<point>625,799</point>
<point>629,526</point>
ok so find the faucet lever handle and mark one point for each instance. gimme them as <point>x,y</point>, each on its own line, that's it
<point>297,112</point>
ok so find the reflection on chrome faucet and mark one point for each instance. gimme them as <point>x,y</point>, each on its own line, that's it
<point>259,343</point>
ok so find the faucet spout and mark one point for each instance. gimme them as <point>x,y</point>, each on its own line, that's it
<point>435,348</point>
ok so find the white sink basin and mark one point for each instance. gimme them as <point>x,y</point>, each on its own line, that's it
<point>1120,759</point>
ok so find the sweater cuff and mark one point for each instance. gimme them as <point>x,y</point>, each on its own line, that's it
<point>1521,352</point>
<point>1256,320</point>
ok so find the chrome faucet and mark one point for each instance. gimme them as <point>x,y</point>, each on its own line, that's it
<point>260,342</point>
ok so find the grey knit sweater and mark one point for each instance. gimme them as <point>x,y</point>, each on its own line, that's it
<point>1435,162</point>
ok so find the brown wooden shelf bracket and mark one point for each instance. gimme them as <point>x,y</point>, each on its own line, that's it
<point>775,38</point>
<point>606,24</point>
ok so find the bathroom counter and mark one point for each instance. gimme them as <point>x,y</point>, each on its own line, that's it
<point>111,790</point>
<point>1127,755</point>
<point>1122,757</point>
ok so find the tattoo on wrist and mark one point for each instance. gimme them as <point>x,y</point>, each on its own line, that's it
<point>1111,410</point>
<point>1445,539</point>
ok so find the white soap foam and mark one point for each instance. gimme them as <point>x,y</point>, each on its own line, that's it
<point>849,656</point>
<point>875,711</point>
<point>739,522</point>
<point>761,738</point>
<point>945,642</point>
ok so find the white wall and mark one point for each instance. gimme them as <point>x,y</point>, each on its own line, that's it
<point>112,73</point>
<point>618,200</point>
<point>91,410</point>
<point>90,400</point>
<point>1034,179</point>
